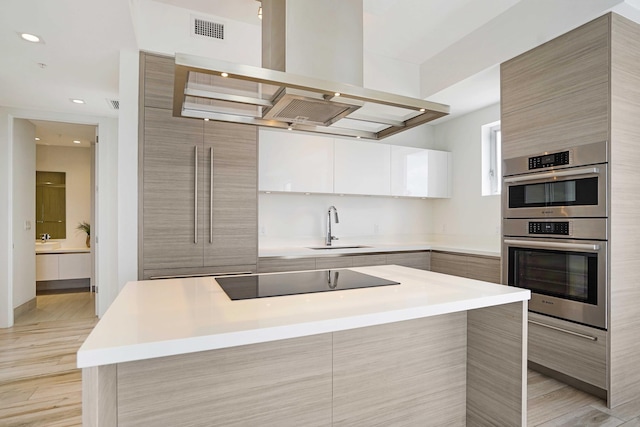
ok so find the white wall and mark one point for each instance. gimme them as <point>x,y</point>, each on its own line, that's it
<point>75,162</point>
<point>24,195</point>
<point>128,168</point>
<point>295,219</point>
<point>6,219</point>
<point>163,28</point>
<point>467,215</point>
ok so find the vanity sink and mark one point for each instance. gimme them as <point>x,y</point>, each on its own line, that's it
<point>339,247</point>
<point>47,246</point>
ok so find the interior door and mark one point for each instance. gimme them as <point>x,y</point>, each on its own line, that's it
<point>230,187</point>
<point>172,214</point>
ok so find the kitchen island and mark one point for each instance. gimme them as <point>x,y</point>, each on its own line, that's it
<point>433,350</point>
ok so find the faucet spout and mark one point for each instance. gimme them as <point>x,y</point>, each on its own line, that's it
<point>330,237</point>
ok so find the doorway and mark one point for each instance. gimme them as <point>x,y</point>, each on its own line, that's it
<point>53,258</point>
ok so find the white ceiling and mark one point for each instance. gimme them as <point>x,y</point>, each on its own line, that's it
<point>83,40</point>
<point>64,134</point>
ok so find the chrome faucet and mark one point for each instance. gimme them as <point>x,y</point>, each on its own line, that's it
<point>329,236</point>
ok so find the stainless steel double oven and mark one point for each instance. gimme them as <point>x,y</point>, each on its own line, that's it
<point>555,232</point>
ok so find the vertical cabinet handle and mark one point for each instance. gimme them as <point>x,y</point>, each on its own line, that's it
<point>211,196</point>
<point>195,198</point>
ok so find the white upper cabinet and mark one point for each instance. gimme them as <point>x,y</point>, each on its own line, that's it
<point>439,174</point>
<point>362,168</point>
<point>295,162</point>
<point>416,172</point>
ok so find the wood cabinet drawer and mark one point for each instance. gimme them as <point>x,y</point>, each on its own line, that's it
<point>420,260</point>
<point>334,262</point>
<point>166,273</point>
<point>276,265</point>
<point>575,350</point>
<point>471,266</point>
<point>367,260</point>
<point>484,268</point>
<point>448,263</point>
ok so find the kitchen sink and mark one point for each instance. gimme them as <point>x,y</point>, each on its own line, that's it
<point>339,247</point>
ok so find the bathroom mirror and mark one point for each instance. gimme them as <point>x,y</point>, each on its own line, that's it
<point>51,205</point>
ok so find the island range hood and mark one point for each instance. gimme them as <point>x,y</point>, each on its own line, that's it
<point>208,88</point>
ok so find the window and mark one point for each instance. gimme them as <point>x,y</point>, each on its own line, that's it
<point>491,159</point>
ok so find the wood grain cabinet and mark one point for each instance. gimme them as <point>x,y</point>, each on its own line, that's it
<point>471,266</point>
<point>414,259</point>
<point>575,350</point>
<point>579,88</point>
<point>198,187</point>
<point>557,95</point>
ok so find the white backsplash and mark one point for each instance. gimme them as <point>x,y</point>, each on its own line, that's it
<point>297,219</point>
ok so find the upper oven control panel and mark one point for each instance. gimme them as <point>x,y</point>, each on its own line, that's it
<point>557,228</point>
<point>549,160</point>
<point>560,158</point>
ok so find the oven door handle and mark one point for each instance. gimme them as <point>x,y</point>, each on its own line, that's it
<point>554,245</point>
<point>547,175</point>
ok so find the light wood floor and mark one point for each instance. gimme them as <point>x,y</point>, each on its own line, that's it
<point>39,382</point>
<point>40,385</point>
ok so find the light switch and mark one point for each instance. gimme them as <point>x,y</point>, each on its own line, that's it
<point>27,225</point>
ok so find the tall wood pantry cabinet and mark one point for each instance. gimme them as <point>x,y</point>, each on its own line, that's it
<point>580,88</point>
<point>198,186</point>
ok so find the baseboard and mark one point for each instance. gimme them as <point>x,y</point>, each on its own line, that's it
<point>48,285</point>
<point>23,308</point>
<point>573,382</point>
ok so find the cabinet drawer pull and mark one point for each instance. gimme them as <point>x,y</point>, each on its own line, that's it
<point>555,328</point>
<point>195,198</point>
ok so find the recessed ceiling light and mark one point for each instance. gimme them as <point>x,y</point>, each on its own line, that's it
<point>337,94</point>
<point>422,110</point>
<point>77,101</point>
<point>224,74</point>
<point>206,120</point>
<point>37,139</point>
<point>75,141</point>
<point>30,37</point>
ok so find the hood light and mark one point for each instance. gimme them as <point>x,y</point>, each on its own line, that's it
<point>76,142</point>
<point>224,74</point>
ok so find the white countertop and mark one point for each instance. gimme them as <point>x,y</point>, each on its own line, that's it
<point>306,251</point>
<point>177,316</point>
<point>63,251</point>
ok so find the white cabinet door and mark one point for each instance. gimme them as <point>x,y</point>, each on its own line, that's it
<point>74,266</point>
<point>295,162</point>
<point>409,171</point>
<point>46,267</point>
<point>439,174</point>
<point>416,172</point>
<point>362,168</point>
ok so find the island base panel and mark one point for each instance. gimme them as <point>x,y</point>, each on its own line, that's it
<point>497,365</point>
<point>410,373</point>
<point>464,368</point>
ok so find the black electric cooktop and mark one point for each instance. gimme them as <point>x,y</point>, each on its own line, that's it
<point>306,282</point>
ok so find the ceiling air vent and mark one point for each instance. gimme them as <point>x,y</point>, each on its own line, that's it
<point>114,104</point>
<point>210,29</point>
